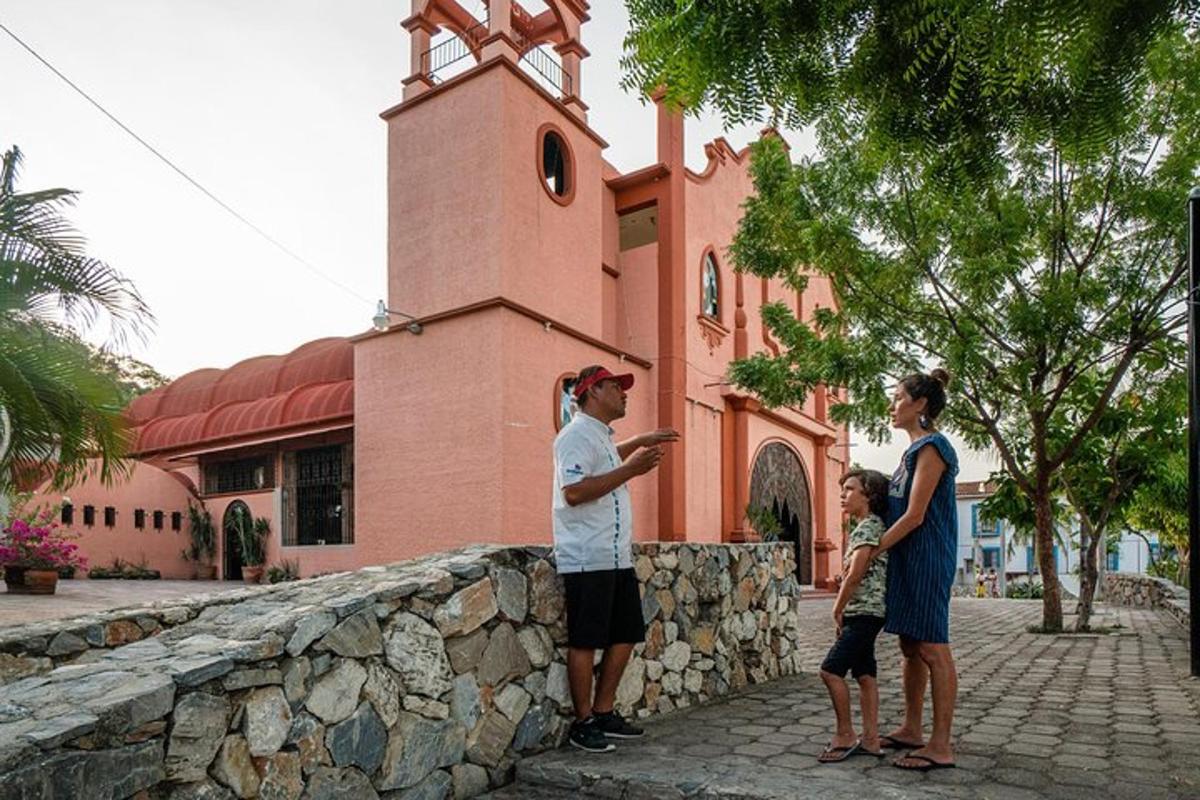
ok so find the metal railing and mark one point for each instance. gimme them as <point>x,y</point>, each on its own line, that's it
<point>439,57</point>
<point>535,57</point>
<point>540,61</point>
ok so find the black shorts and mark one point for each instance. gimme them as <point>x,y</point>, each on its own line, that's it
<point>854,651</point>
<point>603,607</point>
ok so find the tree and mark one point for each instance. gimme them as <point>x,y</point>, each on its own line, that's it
<point>64,407</point>
<point>1044,283</point>
<point>1134,436</point>
<point>947,80</point>
<point>1160,505</point>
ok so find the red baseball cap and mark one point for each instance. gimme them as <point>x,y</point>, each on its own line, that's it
<point>625,380</point>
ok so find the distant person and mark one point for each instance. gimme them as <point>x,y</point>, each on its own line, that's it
<point>593,535</point>
<point>980,583</point>
<point>858,616</point>
<point>923,539</point>
<point>993,583</point>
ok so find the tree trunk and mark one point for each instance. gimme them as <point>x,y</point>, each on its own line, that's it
<point>1052,621</point>
<point>1089,573</point>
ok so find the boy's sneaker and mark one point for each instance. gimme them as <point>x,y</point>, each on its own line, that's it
<point>586,735</point>
<point>616,727</point>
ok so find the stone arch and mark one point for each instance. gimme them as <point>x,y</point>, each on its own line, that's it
<point>780,484</point>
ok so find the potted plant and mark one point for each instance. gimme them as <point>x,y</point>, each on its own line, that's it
<point>252,538</point>
<point>32,551</point>
<point>203,547</point>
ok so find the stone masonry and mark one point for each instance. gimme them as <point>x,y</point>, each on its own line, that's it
<point>424,679</point>
<point>1144,591</point>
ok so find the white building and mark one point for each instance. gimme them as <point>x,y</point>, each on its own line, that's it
<point>983,543</point>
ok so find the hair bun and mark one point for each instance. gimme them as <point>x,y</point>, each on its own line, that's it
<point>941,376</point>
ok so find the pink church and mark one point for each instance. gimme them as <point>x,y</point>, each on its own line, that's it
<point>523,256</point>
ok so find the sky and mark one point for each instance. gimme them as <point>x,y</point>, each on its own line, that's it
<point>272,106</point>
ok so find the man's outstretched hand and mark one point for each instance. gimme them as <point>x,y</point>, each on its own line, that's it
<point>645,459</point>
<point>659,436</point>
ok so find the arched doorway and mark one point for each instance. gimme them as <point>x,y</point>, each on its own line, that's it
<point>235,511</point>
<point>779,484</point>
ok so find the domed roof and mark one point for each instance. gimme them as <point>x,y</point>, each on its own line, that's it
<point>312,384</point>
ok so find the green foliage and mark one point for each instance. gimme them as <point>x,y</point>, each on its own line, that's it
<point>286,570</point>
<point>1160,505</point>
<point>203,545</point>
<point>125,570</point>
<point>945,81</point>
<point>764,522</point>
<point>1024,590</point>
<point>1050,285</point>
<point>251,535</point>
<point>64,407</point>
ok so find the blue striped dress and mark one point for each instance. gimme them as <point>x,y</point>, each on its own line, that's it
<point>921,568</point>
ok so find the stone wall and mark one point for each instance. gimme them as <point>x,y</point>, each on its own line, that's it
<point>1144,591</point>
<point>425,679</point>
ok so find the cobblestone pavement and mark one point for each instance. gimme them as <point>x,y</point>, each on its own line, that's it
<point>77,597</point>
<point>1091,717</point>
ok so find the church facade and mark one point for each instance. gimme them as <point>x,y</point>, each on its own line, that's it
<point>517,254</point>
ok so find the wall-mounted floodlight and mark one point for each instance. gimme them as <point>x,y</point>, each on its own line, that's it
<point>382,319</point>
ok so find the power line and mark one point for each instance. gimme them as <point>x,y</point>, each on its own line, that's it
<point>179,170</point>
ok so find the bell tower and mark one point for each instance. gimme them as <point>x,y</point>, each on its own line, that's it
<point>509,30</point>
<point>494,177</point>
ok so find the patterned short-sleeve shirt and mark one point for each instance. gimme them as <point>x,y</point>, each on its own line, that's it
<point>869,599</point>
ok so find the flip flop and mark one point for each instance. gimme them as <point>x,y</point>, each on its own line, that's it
<point>862,751</point>
<point>842,753</point>
<point>892,743</point>
<point>929,764</point>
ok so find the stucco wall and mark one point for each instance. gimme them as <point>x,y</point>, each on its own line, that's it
<point>433,676</point>
<point>146,487</point>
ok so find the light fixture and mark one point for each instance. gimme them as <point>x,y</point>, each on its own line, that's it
<point>382,320</point>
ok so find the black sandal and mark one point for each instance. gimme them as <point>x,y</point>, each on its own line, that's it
<point>929,764</point>
<point>892,743</point>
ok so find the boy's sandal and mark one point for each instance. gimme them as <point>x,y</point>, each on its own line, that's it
<point>892,743</point>
<point>928,764</point>
<point>839,753</point>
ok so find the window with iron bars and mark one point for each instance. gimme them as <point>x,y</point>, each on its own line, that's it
<point>318,496</point>
<point>240,475</point>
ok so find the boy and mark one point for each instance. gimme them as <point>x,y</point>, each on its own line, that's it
<point>858,615</point>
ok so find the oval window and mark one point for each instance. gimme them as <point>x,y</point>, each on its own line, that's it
<point>555,165</point>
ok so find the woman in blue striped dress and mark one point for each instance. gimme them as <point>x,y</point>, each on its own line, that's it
<point>922,537</point>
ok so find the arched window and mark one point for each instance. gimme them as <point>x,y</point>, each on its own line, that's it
<point>564,401</point>
<point>710,302</point>
<point>556,167</point>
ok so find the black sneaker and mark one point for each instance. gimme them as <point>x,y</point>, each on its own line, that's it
<point>614,726</point>
<point>586,735</point>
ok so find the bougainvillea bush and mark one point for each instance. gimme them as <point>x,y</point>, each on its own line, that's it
<point>38,543</point>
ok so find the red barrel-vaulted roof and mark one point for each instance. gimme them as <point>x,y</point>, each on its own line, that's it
<point>312,385</point>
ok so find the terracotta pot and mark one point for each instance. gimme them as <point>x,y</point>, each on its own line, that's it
<point>22,580</point>
<point>252,574</point>
<point>206,572</point>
